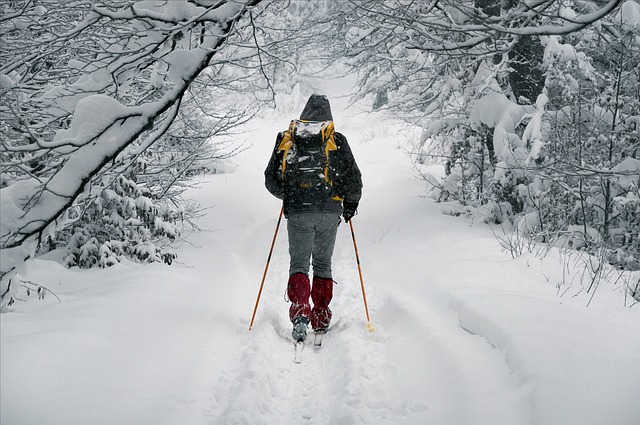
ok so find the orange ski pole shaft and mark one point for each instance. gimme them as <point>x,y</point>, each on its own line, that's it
<point>364,295</point>
<point>266,267</point>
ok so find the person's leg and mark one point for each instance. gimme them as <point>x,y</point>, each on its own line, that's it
<point>300,230</point>
<point>298,291</point>
<point>322,288</point>
<point>321,294</point>
<point>323,243</point>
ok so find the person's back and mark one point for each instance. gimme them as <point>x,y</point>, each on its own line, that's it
<point>313,171</point>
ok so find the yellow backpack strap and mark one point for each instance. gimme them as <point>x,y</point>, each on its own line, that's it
<point>286,143</point>
<point>328,136</point>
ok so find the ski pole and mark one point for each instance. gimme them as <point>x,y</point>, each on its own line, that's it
<point>364,295</point>
<point>266,267</point>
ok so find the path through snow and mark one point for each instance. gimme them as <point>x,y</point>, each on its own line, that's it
<point>419,366</point>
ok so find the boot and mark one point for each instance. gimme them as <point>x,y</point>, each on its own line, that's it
<point>321,294</point>
<point>299,332</point>
<point>298,291</point>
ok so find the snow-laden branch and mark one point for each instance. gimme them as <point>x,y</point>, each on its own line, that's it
<point>463,28</point>
<point>102,126</point>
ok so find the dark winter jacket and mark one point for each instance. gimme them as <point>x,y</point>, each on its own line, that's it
<point>343,170</point>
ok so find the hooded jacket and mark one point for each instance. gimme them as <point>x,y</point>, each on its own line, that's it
<point>343,170</point>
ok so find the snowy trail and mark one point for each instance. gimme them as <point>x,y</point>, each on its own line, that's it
<point>437,371</point>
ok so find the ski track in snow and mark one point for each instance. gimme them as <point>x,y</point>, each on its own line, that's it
<point>349,379</point>
<point>326,388</point>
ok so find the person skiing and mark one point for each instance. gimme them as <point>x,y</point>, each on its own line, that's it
<point>313,171</point>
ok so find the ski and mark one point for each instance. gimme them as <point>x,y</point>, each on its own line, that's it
<point>317,340</point>
<point>297,355</point>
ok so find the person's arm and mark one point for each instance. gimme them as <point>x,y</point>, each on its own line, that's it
<point>350,176</point>
<point>350,181</point>
<point>273,173</point>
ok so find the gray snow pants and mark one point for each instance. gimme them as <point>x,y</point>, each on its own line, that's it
<point>312,236</point>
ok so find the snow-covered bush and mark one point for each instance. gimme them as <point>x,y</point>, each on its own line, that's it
<point>566,165</point>
<point>123,221</point>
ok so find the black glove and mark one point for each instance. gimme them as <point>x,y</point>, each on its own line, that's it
<point>349,210</point>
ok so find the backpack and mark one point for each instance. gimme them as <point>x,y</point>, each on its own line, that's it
<point>305,169</point>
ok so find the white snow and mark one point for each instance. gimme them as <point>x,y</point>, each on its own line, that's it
<point>181,63</point>
<point>630,170</point>
<point>556,50</point>
<point>496,111</point>
<point>533,131</point>
<point>629,13</point>
<point>307,128</point>
<point>169,11</point>
<point>463,333</point>
<point>6,82</point>
<point>94,114</point>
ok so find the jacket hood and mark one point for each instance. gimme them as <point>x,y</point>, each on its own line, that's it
<point>317,109</point>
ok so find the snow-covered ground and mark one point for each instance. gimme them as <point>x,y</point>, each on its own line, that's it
<point>464,335</point>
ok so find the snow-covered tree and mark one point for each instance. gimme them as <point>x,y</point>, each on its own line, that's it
<point>531,106</point>
<point>88,88</point>
<point>589,152</point>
